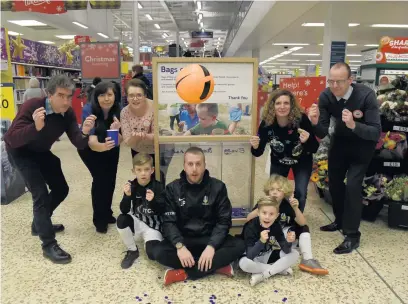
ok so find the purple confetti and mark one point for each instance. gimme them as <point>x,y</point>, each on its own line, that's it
<point>284,299</point>
<point>239,295</point>
<point>145,294</point>
<point>166,297</point>
<point>194,287</point>
<point>276,291</point>
<point>185,281</point>
<point>140,300</point>
<point>137,297</point>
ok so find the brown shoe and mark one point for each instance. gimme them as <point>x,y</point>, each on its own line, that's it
<point>313,266</point>
<point>227,270</point>
<point>174,275</point>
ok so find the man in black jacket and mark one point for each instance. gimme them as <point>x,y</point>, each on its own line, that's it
<point>196,223</point>
<point>357,128</point>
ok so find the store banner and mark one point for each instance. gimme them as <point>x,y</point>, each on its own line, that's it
<point>337,52</point>
<point>306,89</point>
<point>393,50</point>
<point>100,59</point>
<point>43,54</point>
<point>8,107</point>
<point>38,6</point>
<point>81,39</point>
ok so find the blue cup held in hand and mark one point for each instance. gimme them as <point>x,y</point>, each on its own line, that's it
<point>114,135</point>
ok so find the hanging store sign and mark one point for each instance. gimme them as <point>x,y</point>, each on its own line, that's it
<point>39,6</point>
<point>100,59</point>
<point>393,50</point>
<point>80,39</point>
<point>202,35</point>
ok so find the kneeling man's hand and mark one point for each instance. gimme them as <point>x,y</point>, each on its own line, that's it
<point>205,261</point>
<point>185,257</point>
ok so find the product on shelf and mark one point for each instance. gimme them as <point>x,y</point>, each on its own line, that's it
<point>397,189</point>
<point>394,105</point>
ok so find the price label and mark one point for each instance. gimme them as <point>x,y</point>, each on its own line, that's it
<point>392,164</point>
<point>402,129</point>
<point>7,106</point>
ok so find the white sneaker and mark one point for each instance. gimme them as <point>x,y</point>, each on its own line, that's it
<point>256,278</point>
<point>287,272</point>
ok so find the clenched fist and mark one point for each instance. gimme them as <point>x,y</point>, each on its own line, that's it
<point>88,124</point>
<point>264,236</point>
<point>149,195</point>
<point>303,135</point>
<point>254,140</point>
<point>291,237</point>
<point>348,119</point>
<point>127,189</point>
<point>39,118</point>
<point>314,114</point>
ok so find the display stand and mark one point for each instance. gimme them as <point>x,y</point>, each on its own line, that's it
<point>228,157</point>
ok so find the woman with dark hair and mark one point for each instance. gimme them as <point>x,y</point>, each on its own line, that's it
<point>290,136</point>
<point>102,155</point>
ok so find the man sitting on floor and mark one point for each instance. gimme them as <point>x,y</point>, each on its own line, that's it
<point>195,226</point>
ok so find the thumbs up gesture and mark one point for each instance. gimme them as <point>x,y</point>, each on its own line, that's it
<point>116,124</point>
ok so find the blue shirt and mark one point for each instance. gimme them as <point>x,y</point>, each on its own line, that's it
<point>190,122</point>
<point>48,108</point>
<point>86,111</point>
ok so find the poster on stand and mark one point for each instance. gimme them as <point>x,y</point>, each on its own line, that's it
<point>8,106</point>
<point>393,50</point>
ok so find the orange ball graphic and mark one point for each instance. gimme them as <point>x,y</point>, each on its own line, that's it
<point>194,83</point>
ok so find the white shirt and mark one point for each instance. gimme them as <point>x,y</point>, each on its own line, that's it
<point>347,95</point>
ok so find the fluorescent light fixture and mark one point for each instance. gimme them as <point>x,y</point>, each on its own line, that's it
<point>353,24</point>
<point>305,63</point>
<point>358,61</point>
<point>199,5</point>
<point>139,5</point>
<point>79,24</point>
<point>219,38</point>
<point>14,33</point>
<point>291,43</point>
<point>103,35</point>
<point>353,55</point>
<point>371,45</point>
<point>65,36</point>
<point>390,25</point>
<point>296,48</point>
<point>305,54</point>
<point>321,44</point>
<point>27,22</point>
<point>314,60</point>
<point>46,42</point>
<point>289,67</point>
<point>355,65</point>
<point>165,35</point>
<point>351,44</point>
<point>157,26</point>
<point>200,16</point>
<point>149,17</point>
<point>201,24</point>
<point>182,38</point>
<point>288,59</point>
<point>320,24</point>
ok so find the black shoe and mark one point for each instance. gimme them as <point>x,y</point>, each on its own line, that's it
<point>56,227</point>
<point>102,229</point>
<point>348,245</point>
<point>56,254</point>
<point>112,220</point>
<point>331,227</point>
<point>129,259</point>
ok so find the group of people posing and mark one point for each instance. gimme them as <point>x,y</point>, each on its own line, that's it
<point>185,225</point>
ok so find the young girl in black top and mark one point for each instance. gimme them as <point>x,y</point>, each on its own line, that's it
<point>289,133</point>
<point>102,156</point>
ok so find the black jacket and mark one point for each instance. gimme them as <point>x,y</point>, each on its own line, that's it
<point>196,210</point>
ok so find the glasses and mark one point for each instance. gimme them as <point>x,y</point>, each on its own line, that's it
<point>337,82</point>
<point>134,97</point>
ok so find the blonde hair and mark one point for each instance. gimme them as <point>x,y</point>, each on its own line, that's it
<point>282,182</point>
<point>267,201</point>
<point>33,83</point>
<point>141,159</point>
<point>269,115</point>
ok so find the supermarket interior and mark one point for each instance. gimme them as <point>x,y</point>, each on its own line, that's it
<point>92,91</point>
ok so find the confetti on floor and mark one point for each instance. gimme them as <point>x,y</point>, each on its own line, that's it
<point>284,299</point>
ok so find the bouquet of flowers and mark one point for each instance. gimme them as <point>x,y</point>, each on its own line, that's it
<point>394,105</point>
<point>397,189</point>
<point>320,174</point>
<point>392,145</point>
<point>374,187</point>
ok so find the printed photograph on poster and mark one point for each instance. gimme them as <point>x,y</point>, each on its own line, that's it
<point>205,98</point>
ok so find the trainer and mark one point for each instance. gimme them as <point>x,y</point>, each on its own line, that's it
<point>38,124</point>
<point>357,128</point>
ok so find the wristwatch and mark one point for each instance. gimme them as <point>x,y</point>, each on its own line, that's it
<point>179,245</point>
<point>84,135</point>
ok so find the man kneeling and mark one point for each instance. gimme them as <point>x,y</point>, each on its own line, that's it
<point>196,222</point>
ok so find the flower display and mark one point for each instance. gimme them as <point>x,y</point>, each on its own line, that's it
<point>394,105</point>
<point>397,189</point>
<point>320,174</point>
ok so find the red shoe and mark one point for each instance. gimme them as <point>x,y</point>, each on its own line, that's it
<point>174,275</point>
<point>227,270</point>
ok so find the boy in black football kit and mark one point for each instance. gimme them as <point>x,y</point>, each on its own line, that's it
<point>260,235</point>
<point>291,219</point>
<point>141,206</point>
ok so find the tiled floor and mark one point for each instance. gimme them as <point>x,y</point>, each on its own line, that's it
<point>377,273</point>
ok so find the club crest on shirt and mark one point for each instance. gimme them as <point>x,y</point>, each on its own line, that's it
<point>182,201</point>
<point>205,201</point>
<point>283,217</point>
<point>272,240</point>
<point>357,114</point>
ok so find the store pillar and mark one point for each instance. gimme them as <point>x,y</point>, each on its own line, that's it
<point>135,33</point>
<point>335,29</point>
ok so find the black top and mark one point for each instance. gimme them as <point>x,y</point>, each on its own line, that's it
<point>252,234</point>
<point>286,214</point>
<point>364,106</point>
<point>284,141</point>
<point>195,210</point>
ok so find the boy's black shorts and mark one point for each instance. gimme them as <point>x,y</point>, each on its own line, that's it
<point>299,230</point>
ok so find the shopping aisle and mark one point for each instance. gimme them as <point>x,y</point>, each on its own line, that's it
<point>95,275</point>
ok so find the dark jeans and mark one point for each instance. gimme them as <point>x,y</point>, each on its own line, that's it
<point>302,171</point>
<point>351,160</point>
<point>103,167</point>
<point>172,118</point>
<point>40,170</point>
<point>231,250</point>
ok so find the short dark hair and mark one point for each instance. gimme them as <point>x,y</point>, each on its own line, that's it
<point>340,65</point>
<point>137,68</point>
<point>136,83</point>
<point>59,81</point>
<point>195,151</point>
<point>96,80</point>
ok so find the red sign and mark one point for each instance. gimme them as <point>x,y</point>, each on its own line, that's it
<point>100,59</point>
<point>80,39</point>
<point>393,50</point>
<point>38,6</point>
<point>262,99</point>
<point>306,89</point>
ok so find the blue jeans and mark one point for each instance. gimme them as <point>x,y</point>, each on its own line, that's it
<point>302,171</point>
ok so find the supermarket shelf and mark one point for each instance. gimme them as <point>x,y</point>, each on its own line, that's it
<point>46,66</point>
<point>29,77</point>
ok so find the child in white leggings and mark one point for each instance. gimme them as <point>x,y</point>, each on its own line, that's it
<point>260,235</point>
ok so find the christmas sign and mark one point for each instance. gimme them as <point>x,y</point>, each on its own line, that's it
<point>38,6</point>
<point>393,50</point>
<point>306,89</point>
<point>80,39</point>
<point>100,59</point>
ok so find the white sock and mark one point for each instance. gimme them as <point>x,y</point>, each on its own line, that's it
<point>251,266</point>
<point>282,264</point>
<point>305,245</point>
<point>127,238</point>
<point>287,272</point>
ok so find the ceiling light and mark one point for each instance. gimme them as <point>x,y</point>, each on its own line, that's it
<point>182,38</point>
<point>289,67</point>
<point>103,35</point>
<point>157,26</point>
<point>79,24</point>
<point>149,17</point>
<point>353,55</point>
<point>351,44</point>
<point>198,5</point>
<point>139,5</point>
<point>321,24</point>
<point>290,44</point>
<point>165,35</point>
<point>391,25</point>
<point>321,44</point>
<point>353,24</point>
<point>27,22</point>
<point>371,45</point>
<point>358,61</point>
<point>296,48</point>
<point>354,65</point>
<point>219,38</point>
<point>314,60</point>
<point>306,54</point>
<point>202,24</point>
<point>288,59</point>
<point>304,63</point>
<point>200,16</point>
<point>65,36</point>
<point>46,42</point>
<point>14,33</point>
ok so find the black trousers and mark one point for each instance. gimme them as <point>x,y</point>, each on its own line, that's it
<point>231,250</point>
<point>103,167</point>
<point>348,160</point>
<point>40,170</point>
<point>172,118</point>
